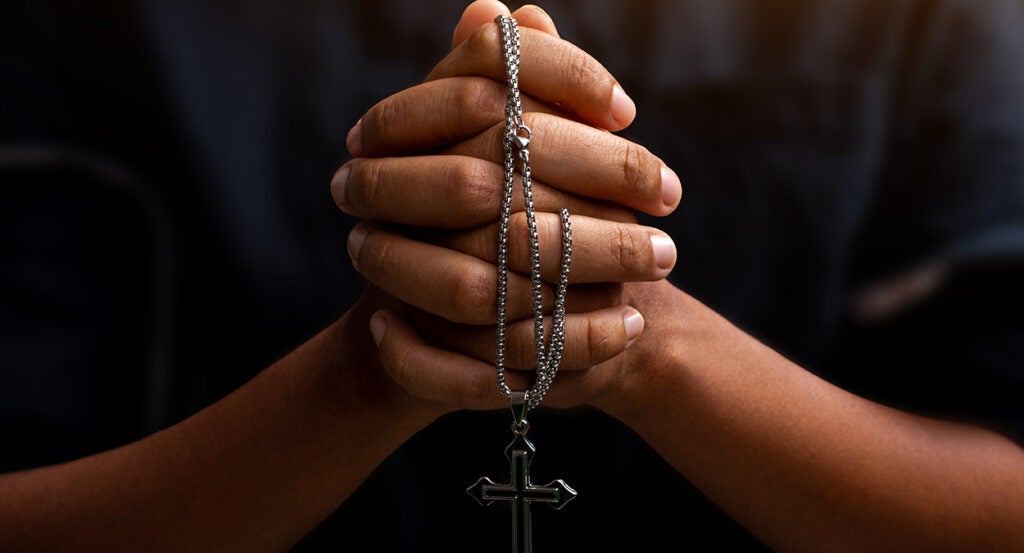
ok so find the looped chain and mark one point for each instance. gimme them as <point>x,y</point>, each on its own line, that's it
<point>517,142</point>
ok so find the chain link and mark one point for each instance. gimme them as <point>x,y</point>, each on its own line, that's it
<point>516,142</point>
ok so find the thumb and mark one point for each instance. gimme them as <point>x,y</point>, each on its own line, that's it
<point>478,13</point>
<point>482,12</point>
<point>535,18</point>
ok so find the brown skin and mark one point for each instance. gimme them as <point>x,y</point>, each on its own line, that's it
<point>259,469</point>
<point>255,471</point>
<point>804,465</point>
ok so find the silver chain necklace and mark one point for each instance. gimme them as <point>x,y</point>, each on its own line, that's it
<point>520,491</point>
<point>517,143</point>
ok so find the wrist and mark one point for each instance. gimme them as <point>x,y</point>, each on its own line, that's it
<point>656,371</point>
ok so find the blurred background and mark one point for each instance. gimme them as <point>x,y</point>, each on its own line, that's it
<point>853,195</point>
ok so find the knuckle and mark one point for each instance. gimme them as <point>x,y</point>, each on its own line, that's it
<point>478,101</point>
<point>549,229</point>
<point>601,343</point>
<point>471,289</point>
<point>398,365</point>
<point>386,115</point>
<point>627,250</point>
<point>483,43</point>
<point>640,175</point>
<point>518,225</point>
<point>377,257</point>
<point>538,122</point>
<point>367,180</point>
<point>472,185</point>
<point>593,340</point>
<point>581,68</point>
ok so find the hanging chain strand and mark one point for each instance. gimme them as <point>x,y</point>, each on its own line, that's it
<point>516,143</point>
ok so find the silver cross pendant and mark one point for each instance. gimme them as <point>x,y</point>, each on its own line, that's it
<point>519,491</point>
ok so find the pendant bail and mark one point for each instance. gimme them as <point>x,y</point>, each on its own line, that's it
<point>518,405</point>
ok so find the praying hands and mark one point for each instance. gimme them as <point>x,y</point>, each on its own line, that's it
<point>448,277</point>
<point>795,459</point>
<point>798,461</point>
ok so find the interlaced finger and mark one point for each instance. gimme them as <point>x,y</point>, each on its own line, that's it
<point>591,337</point>
<point>580,159</point>
<point>554,71</point>
<point>432,115</point>
<point>603,251</point>
<point>452,192</point>
<point>458,287</point>
<point>464,381</point>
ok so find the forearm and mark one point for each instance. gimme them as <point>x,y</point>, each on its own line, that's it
<point>807,466</point>
<point>253,472</point>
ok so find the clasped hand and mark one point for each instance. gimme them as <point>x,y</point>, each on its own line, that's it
<point>427,176</point>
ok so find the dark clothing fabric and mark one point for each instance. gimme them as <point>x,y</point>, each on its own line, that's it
<point>167,229</point>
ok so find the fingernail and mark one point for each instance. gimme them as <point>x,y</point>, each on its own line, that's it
<point>338,185</point>
<point>664,251</point>
<point>378,326</point>
<point>356,239</point>
<point>671,188</point>
<point>354,140</point>
<point>634,323</point>
<point>623,108</point>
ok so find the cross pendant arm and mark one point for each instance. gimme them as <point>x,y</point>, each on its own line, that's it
<point>520,492</point>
